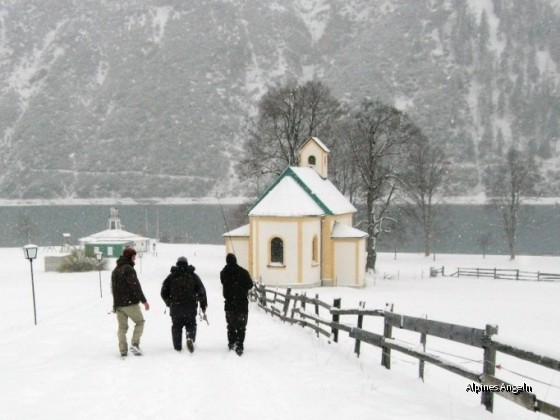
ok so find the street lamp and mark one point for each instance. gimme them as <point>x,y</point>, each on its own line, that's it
<point>140,257</point>
<point>30,252</point>
<point>99,257</point>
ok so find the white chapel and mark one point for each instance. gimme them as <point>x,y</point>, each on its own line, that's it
<point>300,230</point>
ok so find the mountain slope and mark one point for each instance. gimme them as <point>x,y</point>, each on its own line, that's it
<point>150,98</point>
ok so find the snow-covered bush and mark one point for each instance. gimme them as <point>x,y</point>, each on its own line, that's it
<point>78,261</point>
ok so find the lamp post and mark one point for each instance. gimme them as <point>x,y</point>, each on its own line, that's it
<point>99,257</point>
<point>140,257</point>
<point>30,252</point>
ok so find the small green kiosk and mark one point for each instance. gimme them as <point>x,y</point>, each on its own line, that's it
<point>113,240</point>
<point>109,249</point>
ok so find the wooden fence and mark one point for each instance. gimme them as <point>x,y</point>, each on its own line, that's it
<point>302,310</point>
<point>496,273</point>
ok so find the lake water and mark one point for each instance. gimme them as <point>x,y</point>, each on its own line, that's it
<point>462,226</point>
<point>198,223</point>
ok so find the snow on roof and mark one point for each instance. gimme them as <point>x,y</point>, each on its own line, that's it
<point>112,235</point>
<point>287,198</point>
<point>301,192</point>
<point>319,143</point>
<point>324,190</point>
<point>344,231</point>
<point>240,231</point>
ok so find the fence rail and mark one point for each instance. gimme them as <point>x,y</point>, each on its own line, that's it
<point>305,311</point>
<point>496,273</point>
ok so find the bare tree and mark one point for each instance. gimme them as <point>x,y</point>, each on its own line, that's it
<point>342,170</point>
<point>397,234</point>
<point>288,115</point>
<point>512,178</point>
<point>26,228</point>
<point>425,177</point>
<point>377,135</point>
<point>239,216</point>
<point>483,241</point>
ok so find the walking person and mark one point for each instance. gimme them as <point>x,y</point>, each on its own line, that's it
<point>236,283</point>
<point>127,295</point>
<point>182,291</point>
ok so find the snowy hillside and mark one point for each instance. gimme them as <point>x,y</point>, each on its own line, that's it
<point>151,99</point>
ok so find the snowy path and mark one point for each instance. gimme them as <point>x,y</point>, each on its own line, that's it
<point>68,366</point>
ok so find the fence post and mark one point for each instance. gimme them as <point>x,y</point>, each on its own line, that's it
<point>294,306</point>
<point>317,310</point>
<point>489,367</point>
<point>360,324</point>
<point>421,365</point>
<point>442,270</point>
<point>287,301</point>
<point>263,295</point>
<point>387,333</point>
<point>335,319</point>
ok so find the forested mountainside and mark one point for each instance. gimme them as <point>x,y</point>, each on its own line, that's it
<point>151,98</point>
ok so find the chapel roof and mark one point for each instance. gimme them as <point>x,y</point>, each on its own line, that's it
<point>112,235</point>
<point>301,191</point>
<point>342,231</point>
<point>242,231</point>
<point>319,143</point>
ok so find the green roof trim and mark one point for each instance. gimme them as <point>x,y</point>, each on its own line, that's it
<point>289,172</point>
<point>264,194</point>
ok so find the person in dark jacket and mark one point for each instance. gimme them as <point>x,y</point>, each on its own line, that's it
<point>127,295</point>
<point>236,283</point>
<point>181,291</point>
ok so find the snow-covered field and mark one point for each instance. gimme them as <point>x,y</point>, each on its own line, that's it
<point>68,365</point>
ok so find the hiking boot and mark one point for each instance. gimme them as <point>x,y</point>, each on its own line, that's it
<point>239,350</point>
<point>190,345</point>
<point>135,349</point>
<point>231,346</point>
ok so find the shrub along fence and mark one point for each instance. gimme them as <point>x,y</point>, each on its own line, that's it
<point>496,273</point>
<point>310,312</point>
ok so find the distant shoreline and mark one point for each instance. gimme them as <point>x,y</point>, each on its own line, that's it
<point>460,200</point>
<point>124,201</point>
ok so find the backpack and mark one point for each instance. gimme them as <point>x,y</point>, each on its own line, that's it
<point>182,288</point>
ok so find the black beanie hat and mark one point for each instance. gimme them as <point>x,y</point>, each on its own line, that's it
<point>128,252</point>
<point>182,260</point>
<point>231,259</point>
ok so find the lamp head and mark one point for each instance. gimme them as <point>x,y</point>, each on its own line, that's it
<point>30,251</point>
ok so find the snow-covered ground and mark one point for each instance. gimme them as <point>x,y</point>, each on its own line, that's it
<point>68,365</point>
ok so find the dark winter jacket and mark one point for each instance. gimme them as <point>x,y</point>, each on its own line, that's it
<point>125,285</point>
<point>183,289</point>
<point>236,282</point>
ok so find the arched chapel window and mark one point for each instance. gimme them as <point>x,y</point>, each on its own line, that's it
<point>311,160</point>
<point>277,251</point>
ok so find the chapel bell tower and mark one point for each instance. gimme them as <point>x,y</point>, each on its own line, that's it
<point>314,154</point>
<point>114,221</point>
